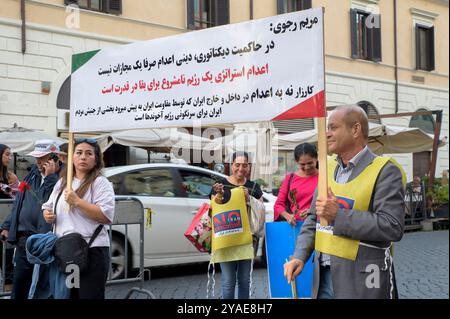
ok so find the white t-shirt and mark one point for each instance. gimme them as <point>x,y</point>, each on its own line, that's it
<point>100,193</point>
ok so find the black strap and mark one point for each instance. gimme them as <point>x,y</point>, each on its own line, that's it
<point>57,199</point>
<point>54,207</point>
<point>97,230</point>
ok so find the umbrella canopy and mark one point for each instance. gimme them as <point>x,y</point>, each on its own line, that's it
<point>21,140</point>
<point>383,139</point>
<point>397,139</point>
<point>153,138</point>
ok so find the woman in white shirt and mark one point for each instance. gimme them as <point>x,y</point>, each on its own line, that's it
<point>82,210</point>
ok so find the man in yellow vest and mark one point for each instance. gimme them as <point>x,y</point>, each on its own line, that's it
<point>365,214</point>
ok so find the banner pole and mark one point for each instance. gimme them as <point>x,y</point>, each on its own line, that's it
<point>323,171</point>
<point>70,162</point>
<point>322,145</point>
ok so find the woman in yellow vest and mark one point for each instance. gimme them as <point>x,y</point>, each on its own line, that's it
<point>236,191</point>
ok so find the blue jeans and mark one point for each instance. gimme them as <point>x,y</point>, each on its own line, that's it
<point>325,284</point>
<point>233,271</point>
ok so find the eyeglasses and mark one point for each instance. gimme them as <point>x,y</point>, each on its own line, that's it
<point>91,141</point>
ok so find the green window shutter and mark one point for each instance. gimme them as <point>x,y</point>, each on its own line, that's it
<point>431,63</point>
<point>113,6</point>
<point>354,34</point>
<point>190,14</point>
<point>306,4</point>
<point>418,66</point>
<point>222,11</point>
<point>374,41</point>
<point>281,6</point>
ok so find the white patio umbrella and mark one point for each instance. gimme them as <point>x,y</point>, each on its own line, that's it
<point>145,138</point>
<point>383,139</point>
<point>21,140</point>
<point>161,140</point>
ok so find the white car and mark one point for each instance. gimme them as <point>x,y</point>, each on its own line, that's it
<point>174,193</point>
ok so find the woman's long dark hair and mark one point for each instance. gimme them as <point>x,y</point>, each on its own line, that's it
<point>3,169</point>
<point>92,175</point>
<point>305,149</point>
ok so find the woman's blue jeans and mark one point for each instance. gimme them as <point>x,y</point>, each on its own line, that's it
<point>232,272</point>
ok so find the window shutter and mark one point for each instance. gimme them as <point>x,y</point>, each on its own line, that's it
<point>375,41</point>
<point>418,66</point>
<point>306,4</point>
<point>280,6</point>
<point>354,33</point>
<point>190,14</point>
<point>114,6</point>
<point>430,34</point>
<point>223,12</point>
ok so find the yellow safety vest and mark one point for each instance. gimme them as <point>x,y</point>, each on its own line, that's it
<point>231,234</point>
<point>355,195</point>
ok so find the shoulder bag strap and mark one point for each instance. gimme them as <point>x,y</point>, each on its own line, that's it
<point>96,232</point>
<point>54,208</point>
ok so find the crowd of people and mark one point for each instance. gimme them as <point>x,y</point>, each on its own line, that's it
<point>350,229</point>
<point>45,205</point>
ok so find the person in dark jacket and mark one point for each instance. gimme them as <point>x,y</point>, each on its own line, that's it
<point>26,215</point>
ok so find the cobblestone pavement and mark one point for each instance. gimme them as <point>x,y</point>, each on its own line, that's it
<point>420,258</point>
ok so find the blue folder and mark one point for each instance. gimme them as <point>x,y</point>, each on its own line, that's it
<point>280,243</point>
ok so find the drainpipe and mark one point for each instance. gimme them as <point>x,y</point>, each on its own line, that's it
<point>395,56</point>
<point>251,9</point>
<point>22,15</point>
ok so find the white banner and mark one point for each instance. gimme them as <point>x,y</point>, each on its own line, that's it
<point>260,70</point>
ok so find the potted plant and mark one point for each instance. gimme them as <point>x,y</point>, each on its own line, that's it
<point>438,198</point>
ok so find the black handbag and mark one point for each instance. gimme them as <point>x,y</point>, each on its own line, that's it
<point>72,249</point>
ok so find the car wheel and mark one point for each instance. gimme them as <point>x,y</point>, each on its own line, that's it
<point>118,257</point>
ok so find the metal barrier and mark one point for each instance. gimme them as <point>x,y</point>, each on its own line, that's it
<point>5,209</point>
<point>129,211</point>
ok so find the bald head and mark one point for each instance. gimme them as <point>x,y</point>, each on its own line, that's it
<point>353,114</point>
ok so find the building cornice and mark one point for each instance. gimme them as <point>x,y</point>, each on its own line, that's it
<point>423,14</point>
<point>71,32</point>
<point>381,80</point>
<point>391,66</point>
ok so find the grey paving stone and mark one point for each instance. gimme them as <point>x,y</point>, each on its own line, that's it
<point>420,259</point>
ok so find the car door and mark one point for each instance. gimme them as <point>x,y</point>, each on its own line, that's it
<point>158,190</point>
<point>197,186</point>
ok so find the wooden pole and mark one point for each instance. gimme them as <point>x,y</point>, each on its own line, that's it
<point>293,285</point>
<point>70,162</point>
<point>322,146</point>
<point>322,153</point>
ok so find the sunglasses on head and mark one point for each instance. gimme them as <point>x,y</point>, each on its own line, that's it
<point>91,141</point>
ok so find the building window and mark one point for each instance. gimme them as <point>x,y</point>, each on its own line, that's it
<point>422,160</point>
<point>366,35</point>
<point>424,122</point>
<point>207,13</point>
<point>424,48</point>
<point>106,6</point>
<point>370,110</point>
<point>285,6</point>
